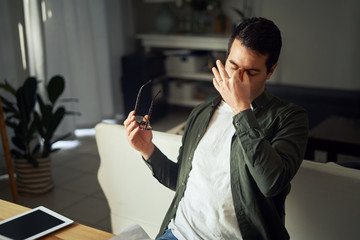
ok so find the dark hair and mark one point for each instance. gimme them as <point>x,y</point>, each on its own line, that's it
<point>261,35</point>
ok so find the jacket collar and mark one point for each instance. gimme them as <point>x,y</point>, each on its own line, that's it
<point>263,100</point>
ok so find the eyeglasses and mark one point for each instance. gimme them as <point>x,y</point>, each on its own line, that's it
<point>144,121</point>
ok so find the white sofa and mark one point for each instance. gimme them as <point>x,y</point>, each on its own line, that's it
<point>324,202</point>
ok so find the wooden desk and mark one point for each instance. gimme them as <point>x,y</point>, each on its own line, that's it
<point>335,135</point>
<point>74,231</point>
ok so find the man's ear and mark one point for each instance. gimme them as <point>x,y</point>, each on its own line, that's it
<point>272,69</point>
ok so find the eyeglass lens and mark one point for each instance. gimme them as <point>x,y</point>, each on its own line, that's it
<point>144,121</point>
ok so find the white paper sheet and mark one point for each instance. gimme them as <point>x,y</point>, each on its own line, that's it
<point>134,232</point>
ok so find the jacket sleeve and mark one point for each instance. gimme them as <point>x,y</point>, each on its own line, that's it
<point>163,169</point>
<point>273,161</point>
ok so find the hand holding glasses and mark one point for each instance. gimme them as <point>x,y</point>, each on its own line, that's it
<point>144,121</point>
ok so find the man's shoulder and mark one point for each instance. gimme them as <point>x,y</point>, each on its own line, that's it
<point>287,113</point>
<point>282,104</point>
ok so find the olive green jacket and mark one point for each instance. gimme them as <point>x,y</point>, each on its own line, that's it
<point>266,152</point>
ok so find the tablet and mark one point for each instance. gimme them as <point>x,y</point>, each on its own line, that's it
<point>32,224</point>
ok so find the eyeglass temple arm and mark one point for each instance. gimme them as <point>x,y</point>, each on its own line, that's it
<point>150,109</point>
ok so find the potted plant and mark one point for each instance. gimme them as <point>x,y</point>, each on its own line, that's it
<point>33,132</point>
<point>19,118</point>
<point>48,118</point>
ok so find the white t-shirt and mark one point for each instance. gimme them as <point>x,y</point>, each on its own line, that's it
<point>206,210</point>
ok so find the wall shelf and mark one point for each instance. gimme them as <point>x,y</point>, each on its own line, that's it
<point>167,43</point>
<point>193,42</point>
<point>206,77</point>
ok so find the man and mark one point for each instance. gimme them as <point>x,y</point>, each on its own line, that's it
<point>239,152</point>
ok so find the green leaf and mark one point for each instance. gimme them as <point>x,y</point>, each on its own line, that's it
<point>31,131</point>
<point>11,124</point>
<point>62,137</point>
<point>47,116</point>
<point>36,149</point>
<point>26,99</point>
<point>18,143</point>
<point>57,118</point>
<point>7,87</point>
<point>240,13</point>
<point>40,101</point>
<point>69,100</point>
<point>73,113</point>
<point>38,124</point>
<point>16,153</point>
<point>55,150</point>
<point>55,88</point>
<point>8,106</point>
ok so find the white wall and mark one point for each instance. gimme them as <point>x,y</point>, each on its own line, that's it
<point>320,41</point>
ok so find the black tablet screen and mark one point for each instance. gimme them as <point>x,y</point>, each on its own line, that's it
<point>29,225</point>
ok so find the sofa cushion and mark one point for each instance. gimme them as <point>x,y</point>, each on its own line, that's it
<point>324,202</point>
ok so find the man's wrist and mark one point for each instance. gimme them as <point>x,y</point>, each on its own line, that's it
<point>148,152</point>
<point>241,108</point>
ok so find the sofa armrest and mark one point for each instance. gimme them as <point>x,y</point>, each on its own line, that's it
<point>324,202</point>
<point>133,194</point>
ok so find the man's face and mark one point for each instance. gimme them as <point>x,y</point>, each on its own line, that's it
<point>252,63</point>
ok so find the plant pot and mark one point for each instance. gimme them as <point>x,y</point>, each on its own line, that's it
<point>33,180</point>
